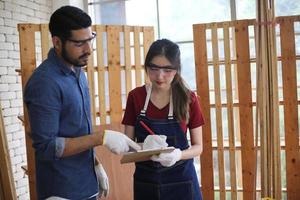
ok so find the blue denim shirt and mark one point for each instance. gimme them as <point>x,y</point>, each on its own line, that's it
<point>58,105</point>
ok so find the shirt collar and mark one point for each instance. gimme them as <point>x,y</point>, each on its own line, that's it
<point>62,66</point>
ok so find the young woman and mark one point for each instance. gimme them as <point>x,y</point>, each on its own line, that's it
<point>168,107</point>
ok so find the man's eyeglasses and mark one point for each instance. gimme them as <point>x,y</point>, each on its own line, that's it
<point>80,43</point>
<point>155,68</point>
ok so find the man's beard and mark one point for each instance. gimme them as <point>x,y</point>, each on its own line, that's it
<point>74,62</point>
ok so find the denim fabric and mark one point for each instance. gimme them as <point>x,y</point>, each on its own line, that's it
<point>152,181</point>
<point>58,104</point>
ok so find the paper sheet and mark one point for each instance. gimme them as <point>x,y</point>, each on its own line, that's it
<point>143,155</point>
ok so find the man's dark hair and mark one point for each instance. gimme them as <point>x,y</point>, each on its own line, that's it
<point>68,18</point>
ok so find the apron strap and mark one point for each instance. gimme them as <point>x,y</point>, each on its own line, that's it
<point>170,115</point>
<point>149,90</point>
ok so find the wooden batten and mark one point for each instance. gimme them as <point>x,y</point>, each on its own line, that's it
<point>91,82</point>
<point>245,110</point>
<point>137,56</point>
<point>218,109</point>
<point>45,40</point>
<point>147,41</point>
<point>113,46</point>
<point>28,64</point>
<point>127,49</point>
<point>291,128</point>
<point>230,117</point>
<point>207,176</point>
<point>100,30</point>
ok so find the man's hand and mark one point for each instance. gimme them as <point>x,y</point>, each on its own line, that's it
<point>168,159</point>
<point>103,181</point>
<point>118,142</point>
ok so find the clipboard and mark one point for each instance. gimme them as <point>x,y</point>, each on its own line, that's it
<point>143,155</point>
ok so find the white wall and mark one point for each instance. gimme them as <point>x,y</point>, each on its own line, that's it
<point>78,3</point>
<point>12,13</point>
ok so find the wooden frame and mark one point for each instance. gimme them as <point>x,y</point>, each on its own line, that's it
<point>118,55</point>
<point>236,65</point>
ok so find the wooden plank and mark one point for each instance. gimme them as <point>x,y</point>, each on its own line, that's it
<point>137,56</point>
<point>230,119</point>
<point>28,64</point>
<point>7,186</point>
<point>101,73</point>
<point>206,158</point>
<point>114,76</point>
<point>147,41</point>
<point>245,109</point>
<point>45,41</point>
<point>217,92</point>
<point>127,53</point>
<point>91,80</point>
<point>227,23</point>
<point>291,128</point>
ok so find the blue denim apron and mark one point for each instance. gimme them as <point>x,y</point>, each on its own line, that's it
<point>152,181</point>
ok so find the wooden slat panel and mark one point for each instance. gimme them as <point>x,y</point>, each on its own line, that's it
<point>216,71</point>
<point>207,179</point>
<point>7,186</point>
<point>245,110</point>
<point>28,64</point>
<point>291,128</point>
<point>127,53</point>
<point>233,183</point>
<point>119,175</point>
<point>100,73</point>
<point>137,56</point>
<point>45,40</point>
<point>113,51</point>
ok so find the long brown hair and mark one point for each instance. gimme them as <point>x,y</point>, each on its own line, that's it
<point>180,91</point>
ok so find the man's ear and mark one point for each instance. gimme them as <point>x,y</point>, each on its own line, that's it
<point>56,41</point>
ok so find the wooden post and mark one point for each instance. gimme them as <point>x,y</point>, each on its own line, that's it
<point>28,64</point>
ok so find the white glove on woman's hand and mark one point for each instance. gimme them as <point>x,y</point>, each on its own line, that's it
<point>168,159</point>
<point>155,142</point>
<point>103,182</point>
<point>118,142</point>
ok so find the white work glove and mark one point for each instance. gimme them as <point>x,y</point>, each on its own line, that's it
<point>155,142</point>
<point>168,159</point>
<point>118,142</point>
<point>103,182</point>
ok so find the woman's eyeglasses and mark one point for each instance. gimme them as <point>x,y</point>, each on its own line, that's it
<point>80,43</point>
<point>156,68</point>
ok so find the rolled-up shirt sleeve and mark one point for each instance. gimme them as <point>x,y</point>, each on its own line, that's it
<point>43,100</point>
